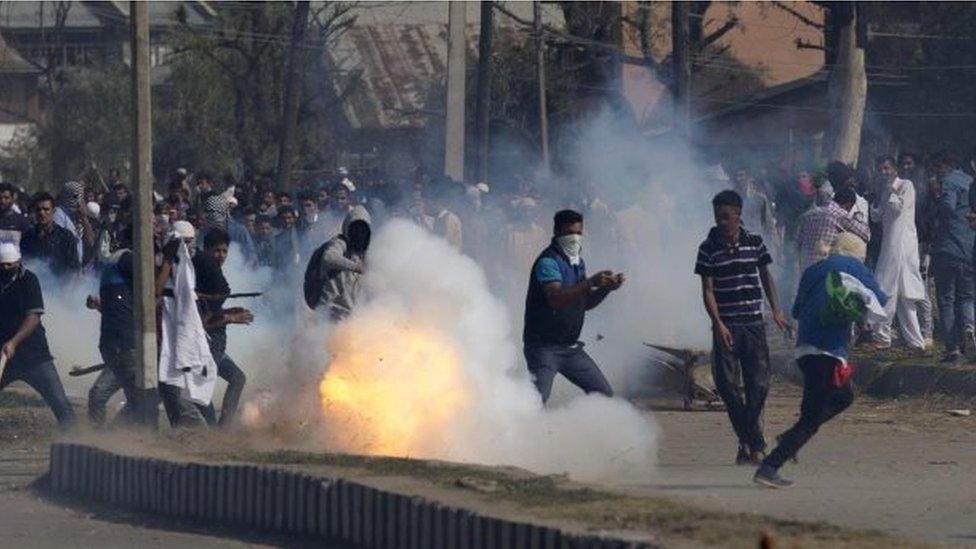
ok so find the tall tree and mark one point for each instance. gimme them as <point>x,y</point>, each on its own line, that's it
<point>847,86</point>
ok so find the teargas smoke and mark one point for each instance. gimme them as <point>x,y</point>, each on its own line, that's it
<point>649,207</point>
<point>428,368</point>
<point>72,329</point>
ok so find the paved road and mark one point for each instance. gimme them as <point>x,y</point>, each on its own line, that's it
<point>904,467</point>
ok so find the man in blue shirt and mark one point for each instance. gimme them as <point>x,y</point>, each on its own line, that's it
<point>558,297</point>
<point>822,348</point>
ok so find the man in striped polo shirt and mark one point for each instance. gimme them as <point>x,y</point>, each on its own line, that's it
<point>734,268</point>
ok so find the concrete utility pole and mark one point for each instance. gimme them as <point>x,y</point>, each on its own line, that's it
<point>483,106</point>
<point>680,57</point>
<point>540,65</point>
<point>145,290</point>
<point>454,125</point>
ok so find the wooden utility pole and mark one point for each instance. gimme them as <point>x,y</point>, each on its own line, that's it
<point>483,106</point>
<point>454,124</point>
<point>142,187</point>
<point>847,87</point>
<point>540,66</point>
<point>293,92</point>
<point>681,59</point>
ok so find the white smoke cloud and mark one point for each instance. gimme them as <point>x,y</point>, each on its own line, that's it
<point>418,280</point>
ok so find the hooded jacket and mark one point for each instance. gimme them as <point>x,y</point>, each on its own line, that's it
<point>341,287</point>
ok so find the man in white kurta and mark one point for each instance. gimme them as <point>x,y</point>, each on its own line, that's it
<point>898,270</point>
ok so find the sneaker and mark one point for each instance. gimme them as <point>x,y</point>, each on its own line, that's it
<point>748,457</point>
<point>742,457</point>
<point>769,477</point>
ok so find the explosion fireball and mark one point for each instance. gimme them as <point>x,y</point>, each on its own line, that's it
<point>391,388</point>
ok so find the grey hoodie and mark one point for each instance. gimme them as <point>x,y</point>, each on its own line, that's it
<point>339,267</point>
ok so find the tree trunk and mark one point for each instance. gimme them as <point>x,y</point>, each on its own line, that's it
<point>483,102</point>
<point>292,93</point>
<point>847,88</point>
<point>681,59</point>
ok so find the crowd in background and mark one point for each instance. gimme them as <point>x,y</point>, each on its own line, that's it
<point>87,227</point>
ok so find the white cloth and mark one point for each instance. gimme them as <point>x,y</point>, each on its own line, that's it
<point>911,331</point>
<point>185,360</point>
<point>875,313</point>
<point>861,210</point>
<point>898,271</point>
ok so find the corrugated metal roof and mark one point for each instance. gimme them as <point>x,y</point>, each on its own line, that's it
<point>399,65</point>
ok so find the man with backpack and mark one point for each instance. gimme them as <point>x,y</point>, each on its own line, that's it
<point>332,277</point>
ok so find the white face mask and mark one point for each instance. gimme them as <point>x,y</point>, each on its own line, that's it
<point>571,245</point>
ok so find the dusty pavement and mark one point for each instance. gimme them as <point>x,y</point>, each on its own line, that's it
<point>899,466</point>
<point>30,519</point>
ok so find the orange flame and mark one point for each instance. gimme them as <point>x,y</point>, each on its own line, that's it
<point>390,389</point>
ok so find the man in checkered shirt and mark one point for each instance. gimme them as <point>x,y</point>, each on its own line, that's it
<point>821,225</point>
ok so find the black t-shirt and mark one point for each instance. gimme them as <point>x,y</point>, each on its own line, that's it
<point>18,298</point>
<point>210,281</point>
<point>115,293</point>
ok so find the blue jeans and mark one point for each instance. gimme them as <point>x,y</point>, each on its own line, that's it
<point>545,361</point>
<point>43,378</point>
<point>955,295</point>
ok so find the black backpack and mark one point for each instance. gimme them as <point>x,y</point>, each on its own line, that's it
<point>314,281</point>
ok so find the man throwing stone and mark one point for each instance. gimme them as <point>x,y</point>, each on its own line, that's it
<point>559,296</point>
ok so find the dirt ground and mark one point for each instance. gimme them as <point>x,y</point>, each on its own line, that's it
<point>887,473</point>
<point>904,467</point>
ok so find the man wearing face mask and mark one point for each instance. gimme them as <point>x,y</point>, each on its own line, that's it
<point>555,307</point>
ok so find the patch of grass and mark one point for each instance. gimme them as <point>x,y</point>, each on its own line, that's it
<point>525,489</point>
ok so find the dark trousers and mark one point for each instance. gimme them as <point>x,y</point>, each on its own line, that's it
<point>545,361</point>
<point>180,411</point>
<point>955,295</point>
<point>742,380</point>
<point>821,402</point>
<point>228,370</point>
<point>106,385</point>
<point>43,378</point>
<point>119,373</point>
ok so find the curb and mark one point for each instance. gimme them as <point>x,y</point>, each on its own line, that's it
<point>888,380</point>
<point>283,501</point>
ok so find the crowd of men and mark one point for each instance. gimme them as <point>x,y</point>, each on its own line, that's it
<point>321,229</point>
<point>900,224</point>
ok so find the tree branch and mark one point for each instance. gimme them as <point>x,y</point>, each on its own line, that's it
<point>730,24</point>
<point>803,19</point>
<point>802,45</point>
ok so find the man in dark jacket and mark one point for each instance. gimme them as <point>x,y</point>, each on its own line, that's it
<point>49,242</point>
<point>555,307</point>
